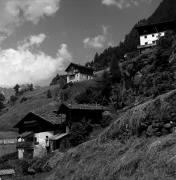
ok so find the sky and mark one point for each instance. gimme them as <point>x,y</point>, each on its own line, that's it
<point>39,38</point>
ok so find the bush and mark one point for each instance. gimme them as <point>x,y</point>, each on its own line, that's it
<point>106,119</point>
<point>13,99</point>
<point>79,132</point>
<point>49,95</point>
<point>23,99</point>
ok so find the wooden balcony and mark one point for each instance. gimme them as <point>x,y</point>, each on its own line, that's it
<point>146,46</point>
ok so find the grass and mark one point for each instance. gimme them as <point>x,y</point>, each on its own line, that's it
<point>118,153</point>
<point>139,158</point>
<point>35,99</point>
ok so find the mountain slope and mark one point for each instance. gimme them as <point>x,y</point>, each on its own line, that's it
<point>165,11</point>
<point>27,102</point>
<point>120,152</point>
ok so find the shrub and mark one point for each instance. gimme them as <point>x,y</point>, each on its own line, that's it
<point>106,119</point>
<point>49,95</point>
<point>23,99</point>
<point>79,132</point>
<point>13,99</point>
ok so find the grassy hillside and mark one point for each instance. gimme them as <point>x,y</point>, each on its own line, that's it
<point>37,98</point>
<point>122,153</point>
<point>33,100</point>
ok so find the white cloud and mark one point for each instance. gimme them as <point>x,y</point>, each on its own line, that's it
<point>121,4</point>
<point>32,40</point>
<point>22,66</point>
<point>13,13</point>
<point>98,41</point>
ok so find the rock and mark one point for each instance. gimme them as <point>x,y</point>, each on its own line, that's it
<point>167,126</point>
<point>164,131</point>
<point>150,131</point>
<point>158,133</point>
<point>157,124</point>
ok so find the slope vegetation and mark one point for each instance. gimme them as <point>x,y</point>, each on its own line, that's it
<point>141,144</point>
<point>29,101</point>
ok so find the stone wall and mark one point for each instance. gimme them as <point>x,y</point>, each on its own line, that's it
<point>155,117</point>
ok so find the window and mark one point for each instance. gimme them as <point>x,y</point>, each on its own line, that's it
<point>153,42</point>
<point>145,37</point>
<point>153,35</point>
<point>146,43</point>
<point>71,77</point>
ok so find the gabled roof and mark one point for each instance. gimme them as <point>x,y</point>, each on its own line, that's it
<point>90,107</point>
<point>155,27</point>
<point>46,113</point>
<point>82,69</point>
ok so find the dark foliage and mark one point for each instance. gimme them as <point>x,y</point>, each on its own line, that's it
<point>23,99</point>
<point>79,132</point>
<point>99,94</point>
<point>48,94</point>
<point>2,99</point>
<point>13,99</point>
<point>59,79</point>
<point>16,88</point>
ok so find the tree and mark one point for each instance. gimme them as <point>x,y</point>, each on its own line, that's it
<point>115,69</point>
<point>13,99</point>
<point>16,88</point>
<point>2,99</point>
<point>49,95</point>
<point>31,87</point>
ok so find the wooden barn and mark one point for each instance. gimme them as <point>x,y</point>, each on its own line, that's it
<point>77,112</point>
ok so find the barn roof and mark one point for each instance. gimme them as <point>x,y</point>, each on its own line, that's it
<point>93,107</point>
<point>82,69</point>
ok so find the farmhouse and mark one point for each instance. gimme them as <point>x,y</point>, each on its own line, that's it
<point>76,73</point>
<point>52,124</point>
<point>35,128</point>
<point>149,34</point>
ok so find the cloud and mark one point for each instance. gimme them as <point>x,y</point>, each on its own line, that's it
<point>32,40</point>
<point>121,4</point>
<point>23,66</point>
<point>98,41</point>
<point>14,13</point>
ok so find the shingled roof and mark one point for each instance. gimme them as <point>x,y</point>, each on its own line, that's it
<point>47,113</point>
<point>82,69</point>
<point>84,106</point>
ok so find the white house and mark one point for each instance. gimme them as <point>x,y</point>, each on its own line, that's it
<point>76,73</point>
<point>150,33</point>
<point>35,128</point>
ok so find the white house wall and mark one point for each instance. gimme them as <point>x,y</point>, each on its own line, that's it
<point>40,149</point>
<point>79,77</point>
<point>149,38</point>
<point>41,137</point>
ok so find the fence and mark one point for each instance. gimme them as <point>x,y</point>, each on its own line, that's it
<point>8,141</point>
<point>7,146</point>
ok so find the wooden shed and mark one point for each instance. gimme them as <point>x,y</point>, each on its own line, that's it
<point>77,112</point>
